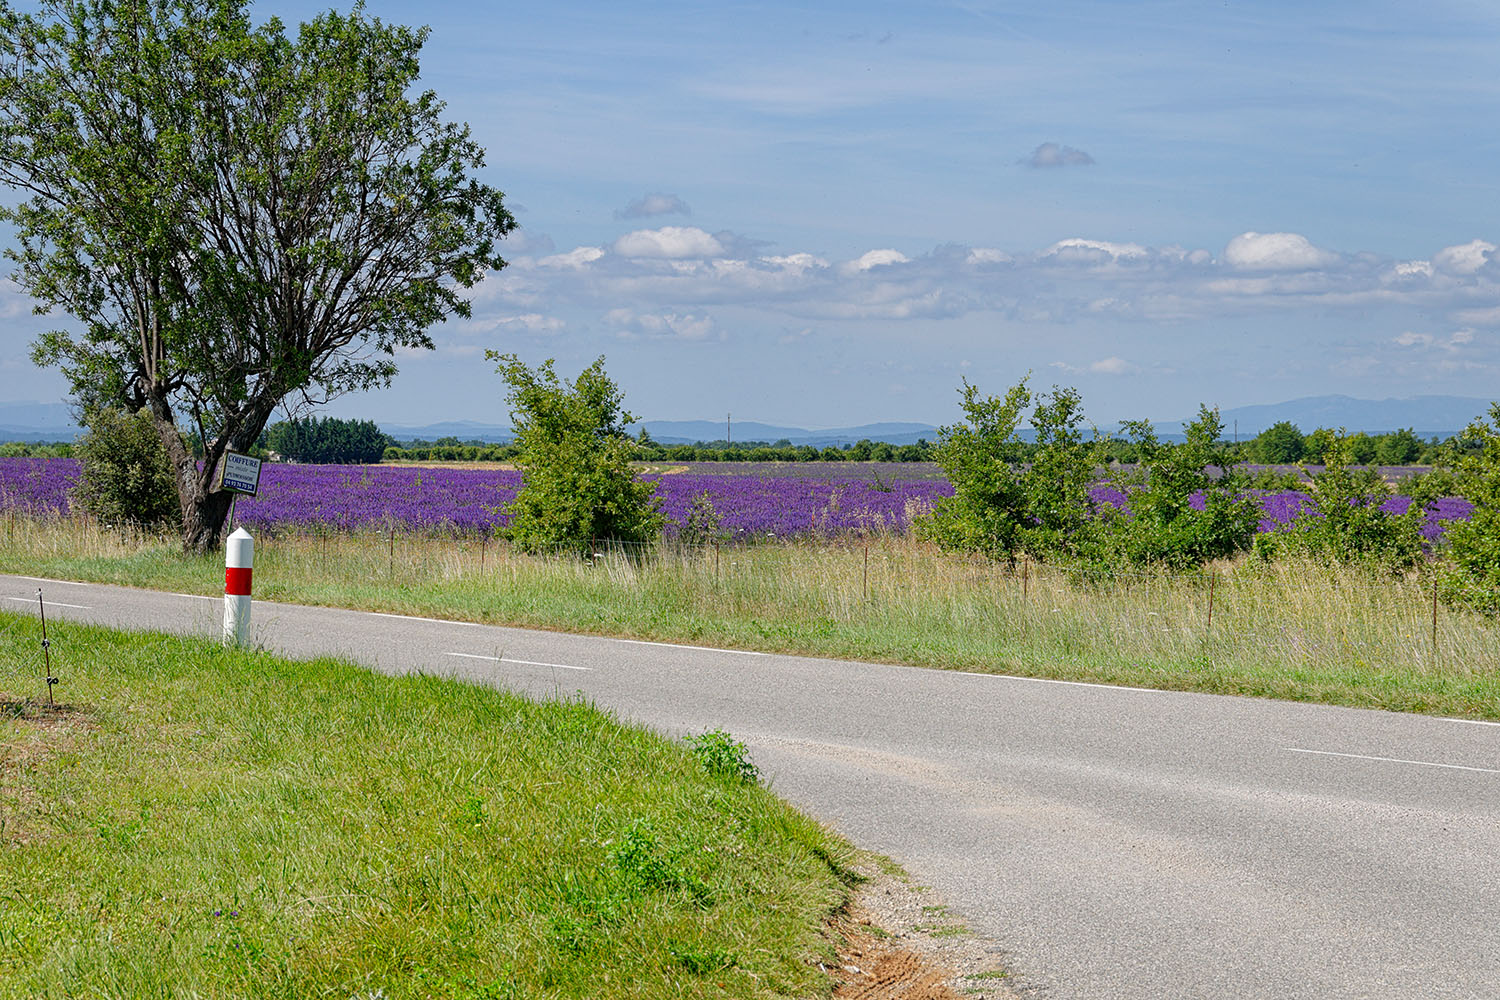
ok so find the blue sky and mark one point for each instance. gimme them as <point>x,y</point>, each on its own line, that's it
<point>834,214</point>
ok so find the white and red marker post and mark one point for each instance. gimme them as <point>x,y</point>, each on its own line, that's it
<point>239,557</point>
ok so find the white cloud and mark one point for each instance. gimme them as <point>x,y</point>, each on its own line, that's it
<point>574,260</point>
<point>1276,252</point>
<point>681,327</point>
<point>681,273</point>
<point>669,242</point>
<point>1410,339</point>
<point>1104,366</point>
<point>654,204</point>
<point>982,256</point>
<point>879,258</point>
<point>531,323</point>
<point>1082,251</point>
<point>1469,258</point>
<point>1052,154</point>
<point>797,262</point>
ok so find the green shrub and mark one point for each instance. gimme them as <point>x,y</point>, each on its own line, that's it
<point>723,756</point>
<point>576,481</point>
<point>1163,526</point>
<point>1344,522</point>
<point>981,457</point>
<point>125,475</point>
<point>1474,545</point>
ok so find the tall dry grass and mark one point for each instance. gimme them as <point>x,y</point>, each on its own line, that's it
<point>1287,629</point>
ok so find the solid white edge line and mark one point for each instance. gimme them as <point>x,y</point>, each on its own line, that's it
<point>678,645</point>
<point>1394,760</point>
<point>48,579</point>
<point>419,618</point>
<point>525,663</point>
<point>198,597</point>
<point>1053,680</point>
<point>51,604</point>
<point>1470,722</point>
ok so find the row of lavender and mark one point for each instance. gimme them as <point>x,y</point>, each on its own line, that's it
<point>348,498</point>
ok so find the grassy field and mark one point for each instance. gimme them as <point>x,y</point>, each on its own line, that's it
<point>1282,630</point>
<point>203,823</point>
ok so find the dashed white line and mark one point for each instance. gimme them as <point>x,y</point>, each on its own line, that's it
<point>524,663</point>
<point>1395,760</point>
<point>51,604</point>
<point>704,649</point>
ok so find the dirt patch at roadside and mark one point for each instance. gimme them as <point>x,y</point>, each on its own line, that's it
<point>900,941</point>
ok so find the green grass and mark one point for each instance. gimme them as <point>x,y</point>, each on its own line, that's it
<point>207,823</point>
<point>1291,630</point>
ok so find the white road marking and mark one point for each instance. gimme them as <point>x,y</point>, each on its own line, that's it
<point>197,597</point>
<point>52,604</point>
<point>1472,722</point>
<point>524,663</point>
<point>1395,760</point>
<point>419,618</point>
<point>705,649</point>
<point>1053,680</point>
<point>48,579</point>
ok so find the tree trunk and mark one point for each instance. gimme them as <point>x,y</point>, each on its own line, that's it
<point>203,522</point>
<point>203,508</point>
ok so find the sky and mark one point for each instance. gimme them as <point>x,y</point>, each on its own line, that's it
<point>832,214</point>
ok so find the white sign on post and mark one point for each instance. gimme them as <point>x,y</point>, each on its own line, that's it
<point>240,473</point>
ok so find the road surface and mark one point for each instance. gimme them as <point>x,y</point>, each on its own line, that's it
<point>1114,843</point>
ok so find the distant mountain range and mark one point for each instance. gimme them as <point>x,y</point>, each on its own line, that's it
<point>1429,416</point>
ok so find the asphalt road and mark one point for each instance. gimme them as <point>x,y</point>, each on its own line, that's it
<point>1114,843</point>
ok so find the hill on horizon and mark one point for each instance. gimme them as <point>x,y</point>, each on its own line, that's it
<point>1429,416</point>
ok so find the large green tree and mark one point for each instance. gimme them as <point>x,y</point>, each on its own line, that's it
<point>235,216</point>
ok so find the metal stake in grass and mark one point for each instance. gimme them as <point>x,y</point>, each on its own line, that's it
<point>46,645</point>
<point>1210,603</point>
<point>1434,620</point>
<point>867,571</point>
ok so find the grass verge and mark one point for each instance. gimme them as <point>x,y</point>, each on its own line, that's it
<point>201,822</point>
<point>1291,630</point>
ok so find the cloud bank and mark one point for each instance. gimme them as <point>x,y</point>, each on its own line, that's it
<point>654,204</point>
<point>1051,154</point>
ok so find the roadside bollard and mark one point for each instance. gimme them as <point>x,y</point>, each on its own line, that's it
<point>239,556</point>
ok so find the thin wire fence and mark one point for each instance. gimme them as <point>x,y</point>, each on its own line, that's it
<point>1291,614</point>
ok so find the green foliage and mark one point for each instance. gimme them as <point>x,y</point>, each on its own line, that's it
<point>233,215</point>
<point>1280,444</point>
<point>328,440</point>
<point>1061,515</point>
<point>1344,522</point>
<point>981,457</point>
<point>1163,526</point>
<point>126,477</point>
<point>1401,447</point>
<point>1474,545</point>
<point>724,756</point>
<point>1429,487</point>
<point>577,484</point>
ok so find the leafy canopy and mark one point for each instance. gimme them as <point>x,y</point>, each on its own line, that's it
<point>577,484</point>
<point>234,216</point>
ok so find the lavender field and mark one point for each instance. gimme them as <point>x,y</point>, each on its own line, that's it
<point>752,502</point>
